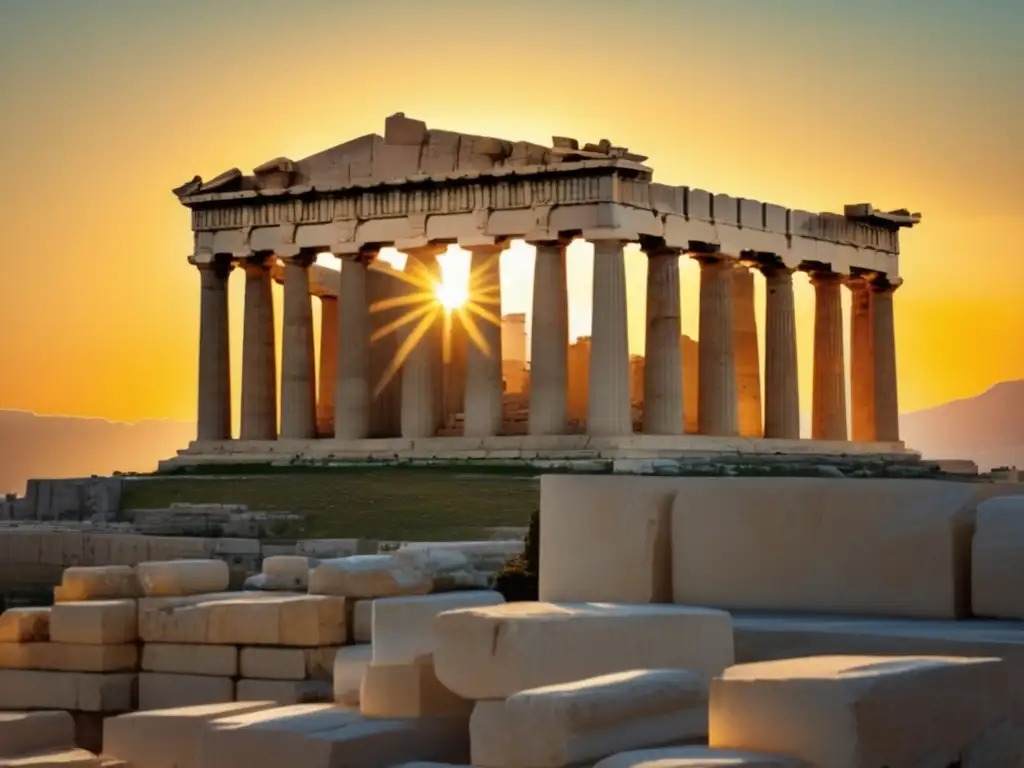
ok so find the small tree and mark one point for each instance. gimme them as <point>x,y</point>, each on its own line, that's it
<point>518,581</point>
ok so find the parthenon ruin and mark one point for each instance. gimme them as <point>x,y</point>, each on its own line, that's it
<point>419,190</point>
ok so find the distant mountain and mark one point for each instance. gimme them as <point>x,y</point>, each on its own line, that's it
<point>988,428</point>
<point>67,446</point>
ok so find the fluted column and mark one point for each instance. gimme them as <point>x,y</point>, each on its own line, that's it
<point>214,407</point>
<point>327,374</point>
<point>608,409</point>
<point>352,388</point>
<point>748,361</point>
<point>663,354</point>
<point>483,356</point>
<point>298,376</point>
<point>781,379</point>
<point>829,393</point>
<point>716,408</point>
<point>887,410</point>
<point>259,366</point>
<point>421,383</point>
<point>862,363</point>
<point>549,342</point>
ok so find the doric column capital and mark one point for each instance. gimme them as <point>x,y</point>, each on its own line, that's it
<point>655,247</point>
<point>219,265</point>
<point>824,278</point>
<point>714,262</point>
<point>558,242</point>
<point>856,282</point>
<point>883,286</point>
<point>424,253</point>
<point>366,254</point>
<point>257,263</point>
<point>486,248</point>
<point>303,257</point>
<point>776,272</point>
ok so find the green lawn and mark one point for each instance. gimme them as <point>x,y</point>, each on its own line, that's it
<point>386,503</point>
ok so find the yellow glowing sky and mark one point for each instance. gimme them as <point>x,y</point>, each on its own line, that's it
<point>107,105</point>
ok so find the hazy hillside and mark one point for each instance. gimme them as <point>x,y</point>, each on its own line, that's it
<point>65,446</point>
<point>988,428</point>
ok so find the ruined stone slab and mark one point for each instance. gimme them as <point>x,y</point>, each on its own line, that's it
<point>299,620</point>
<point>165,738</point>
<point>369,576</point>
<point>54,758</point>
<point>69,657</point>
<point>102,622</point>
<point>175,658</point>
<point>24,732</point>
<point>874,547</point>
<point>86,691</point>
<point>158,690</point>
<point>855,711</point>
<point>585,720</point>
<point>324,736</point>
<point>104,582</point>
<point>284,691</point>
<point>183,619</point>
<point>288,663</point>
<point>350,665</point>
<point>408,690</point>
<point>288,572</point>
<point>997,559</point>
<point>25,625</point>
<point>695,757</point>
<point>600,520</point>
<point>174,578</point>
<point>495,651</point>
<point>403,627</point>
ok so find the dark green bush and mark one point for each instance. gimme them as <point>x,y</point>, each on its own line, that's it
<point>518,581</point>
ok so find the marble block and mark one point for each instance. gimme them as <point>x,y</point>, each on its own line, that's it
<point>23,732</point>
<point>175,578</point>
<point>102,622</point>
<point>105,582</point>
<point>350,665</point>
<point>25,625</point>
<point>997,559</point>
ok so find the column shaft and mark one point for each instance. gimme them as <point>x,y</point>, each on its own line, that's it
<point>781,378</point>
<point>887,411</point>
<point>327,374</point>
<point>716,409</point>
<point>421,380</point>
<point>608,411</point>
<point>484,355</point>
<point>383,285</point>
<point>259,364</point>
<point>862,364</point>
<point>829,393</point>
<point>214,408</point>
<point>748,361</point>
<point>298,375</point>
<point>352,389</point>
<point>549,341</point>
<point>663,354</point>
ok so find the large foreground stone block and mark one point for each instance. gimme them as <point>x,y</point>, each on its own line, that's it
<point>362,621</point>
<point>695,757</point>
<point>214,660</point>
<point>495,651</point>
<point>350,665</point>
<point>86,691</point>
<point>572,723</point>
<point>588,522</point>
<point>25,625</point>
<point>408,690</point>
<point>403,627</point>
<point>876,547</point>
<point>54,758</point>
<point>326,736</point>
<point>284,691</point>
<point>94,623</point>
<point>173,578</point>
<point>23,732</point>
<point>997,559</point>
<point>861,711</point>
<point>103,582</point>
<point>67,657</point>
<point>287,663</point>
<point>165,738</point>
<point>165,691</point>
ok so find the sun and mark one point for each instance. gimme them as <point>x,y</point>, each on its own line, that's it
<point>452,290</point>
<point>451,294</point>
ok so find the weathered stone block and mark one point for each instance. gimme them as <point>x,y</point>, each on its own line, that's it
<point>350,665</point>
<point>90,692</point>
<point>103,622</point>
<point>24,732</point>
<point>158,690</point>
<point>368,576</point>
<point>25,625</point>
<point>288,663</point>
<point>174,578</point>
<point>997,559</point>
<point>856,711</point>
<point>66,657</point>
<point>695,757</point>
<point>284,691</point>
<point>403,627</point>
<point>287,572</point>
<point>586,720</point>
<point>408,689</point>
<point>213,660</point>
<point>362,621</point>
<point>56,758</point>
<point>300,620</point>
<point>496,651</point>
<point>109,582</point>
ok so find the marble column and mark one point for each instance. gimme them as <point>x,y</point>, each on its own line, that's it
<point>748,361</point>
<point>483,361</point>
<point>214,408</point>
<point>781,378</point>
<point>298,373</point>
<point>608,408</point>
<point>829,392</point>
<point>663,354</point>
<point>862,363</point>
<point>383,286</point>
<point>549,342</point>
<point>327,374</point>
<point>716,408</point>
<point>421,382</point>
<point>352,388</point>
<point>259,363</point>
<point>887,411</point>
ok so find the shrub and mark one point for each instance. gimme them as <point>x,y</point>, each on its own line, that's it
<point>518,581</point>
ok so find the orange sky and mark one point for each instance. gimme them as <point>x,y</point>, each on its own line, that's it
<point>109,104</point>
